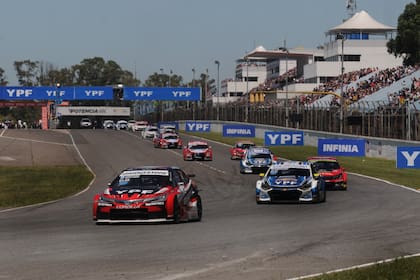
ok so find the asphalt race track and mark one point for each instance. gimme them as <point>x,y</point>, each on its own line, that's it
<point>237,239</point>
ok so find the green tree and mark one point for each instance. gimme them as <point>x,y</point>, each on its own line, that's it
<point>407,41</point>
<point>27,72</point>
<point>3,81</point>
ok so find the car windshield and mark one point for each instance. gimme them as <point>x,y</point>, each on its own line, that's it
<point>260,156</point>
<point>169,137</point>
<point>143,182</point>
<point>290,172</point>
<point>199,147</point>
<point>152,129</point>
<point>326,165</point>
<point>245,145</point>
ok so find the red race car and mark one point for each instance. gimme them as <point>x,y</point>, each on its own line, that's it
<point>333,173</point>
<point>149,194</point>
<point>238,150</point>
<point>167,140</point>
<point>197,150</point>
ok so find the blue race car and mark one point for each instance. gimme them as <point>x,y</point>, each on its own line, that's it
<point>256,160</point>
<point>290,181</point>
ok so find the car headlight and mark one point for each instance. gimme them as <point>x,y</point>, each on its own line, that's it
<point>104,201</point>
<point>158,200</point>
<point>265,186</point>
<point>307,185</point>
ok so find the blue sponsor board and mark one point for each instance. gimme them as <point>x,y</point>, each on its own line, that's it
<point>341,147</point>
<point>99,93</point>
<point>238,131</point>
<point>93,93</point>
<point>197,126</point>
<point>164,94</point>
<point>37,93</point>
<point>283,138</point>
<point>175,124</point>
<point>408,157</point>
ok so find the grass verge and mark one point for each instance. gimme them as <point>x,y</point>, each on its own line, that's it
<point>407,268</point>
<point>20,186</point>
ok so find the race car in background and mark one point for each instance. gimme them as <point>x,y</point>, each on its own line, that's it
<point>149,194</point>
<point>290,181</point>
<point>149,132</point>
<point>256,160</point>
<point>330,169</point>
<point>197,150</point>
<point>167,140</point>
<point>139,126</point>
<point>238,150</point>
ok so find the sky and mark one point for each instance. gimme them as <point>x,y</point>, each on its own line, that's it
<point>144,36</point>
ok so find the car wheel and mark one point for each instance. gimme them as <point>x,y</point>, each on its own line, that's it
<point>177,211</point>
<point>324,196</point>
<point>199,209</point>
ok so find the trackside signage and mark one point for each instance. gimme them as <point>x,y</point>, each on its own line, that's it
<point>169,94</point>
<point>408,157</point>
<point>197,126</point>
<point>38,93</point>
<point>238,131</point>
<point>341,147</point>
<point>93,93</point>
<point>283,138</point>
<point>93,111</point>
<point>98,93</point>
<point>174,124</point>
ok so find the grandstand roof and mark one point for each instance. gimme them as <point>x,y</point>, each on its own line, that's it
<point>362,21</point>
<point>261,52</point>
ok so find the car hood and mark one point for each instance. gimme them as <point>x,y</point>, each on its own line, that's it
<point>198,150</point>
<point>259,160</point>
<point>132,194</point>
<point>292,181</point>
<point>329,172</point>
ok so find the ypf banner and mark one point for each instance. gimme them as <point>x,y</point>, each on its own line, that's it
<point>283,138</point>
<point>408,157</point>
<point>197,126</point>
<point>163,94</point>
<point>37,93</point>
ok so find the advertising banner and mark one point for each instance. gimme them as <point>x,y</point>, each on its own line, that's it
<point>238,131</point>
<point>283,138</point>
<point>197,126</point>
<point>37,93</point>
<point>175,124</point>
<point>162,94</point>
<point>93,93</point>
<point>341,147</point>
<point>408,157</point>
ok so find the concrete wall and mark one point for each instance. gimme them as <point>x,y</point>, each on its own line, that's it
<point>375,147</point>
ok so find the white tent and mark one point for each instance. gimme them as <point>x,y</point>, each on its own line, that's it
<point>361,22</point>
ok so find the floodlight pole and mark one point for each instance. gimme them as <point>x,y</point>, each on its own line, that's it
<point>217,92</point>
<point>287,83</point>
<point>340,36</point>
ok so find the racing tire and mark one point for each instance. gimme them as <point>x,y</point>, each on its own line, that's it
<point>324,197</point>
<point>199,209</point>
<point>177,212</point>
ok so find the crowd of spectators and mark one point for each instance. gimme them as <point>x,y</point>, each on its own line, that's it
<point>355,87</point>
<point>406,94</point>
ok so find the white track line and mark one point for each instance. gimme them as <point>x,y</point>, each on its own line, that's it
<point>354,267</point>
